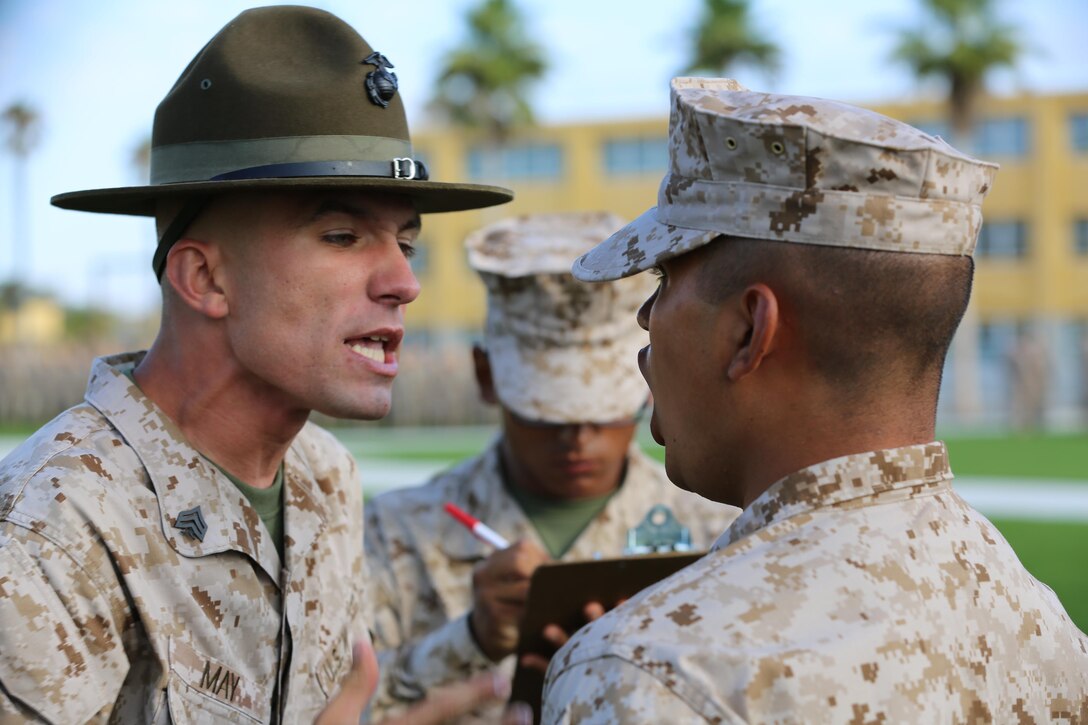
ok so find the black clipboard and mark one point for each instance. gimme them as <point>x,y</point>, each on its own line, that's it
<point>558,592</point>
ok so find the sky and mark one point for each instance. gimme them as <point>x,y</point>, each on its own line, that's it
<point>96,71</point>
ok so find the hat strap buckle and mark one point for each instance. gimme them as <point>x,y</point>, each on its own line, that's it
<point>404,168</point>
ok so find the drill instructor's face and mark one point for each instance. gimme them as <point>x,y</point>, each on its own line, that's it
<point>316,284</point>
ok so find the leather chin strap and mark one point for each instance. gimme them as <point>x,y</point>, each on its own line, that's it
<point>189,211</point>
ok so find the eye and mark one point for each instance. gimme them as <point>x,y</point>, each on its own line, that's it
<point>408,249</point>
<point>340,239</point>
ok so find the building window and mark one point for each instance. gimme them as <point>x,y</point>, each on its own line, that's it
<point>636,156</point>
<point>1002,240</point>
<point>1080,237</point>
<point>1001,137</point>
<point>537,161</point>
<point>1078,131</point>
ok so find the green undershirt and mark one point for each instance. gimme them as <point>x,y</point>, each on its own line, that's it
<point>267,502</point>
<point>558,522</point>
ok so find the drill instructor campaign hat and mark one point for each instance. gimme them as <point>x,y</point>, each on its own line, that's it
<point>283,97</point>
<point>796,169</point>
<point>561,351</point>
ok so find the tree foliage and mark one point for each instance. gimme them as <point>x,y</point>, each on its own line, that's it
<point>485,81</point>
<point>725,36</point>
<point>24,127</point>
<point>960,42</point>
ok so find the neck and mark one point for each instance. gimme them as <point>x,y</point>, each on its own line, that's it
<point>821,430</point>
<point>234,420</point>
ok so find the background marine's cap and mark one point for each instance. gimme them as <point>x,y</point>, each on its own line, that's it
<point>797,169</point>
<point>561,350</point>
<point>284,97</point>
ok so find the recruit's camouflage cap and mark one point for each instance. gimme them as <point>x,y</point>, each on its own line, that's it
<point>796,169</point>
<point>561,350</point>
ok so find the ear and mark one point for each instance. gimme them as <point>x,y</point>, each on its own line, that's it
<point>759,312</point>
<point>193,268</point>
<point>484,381</point>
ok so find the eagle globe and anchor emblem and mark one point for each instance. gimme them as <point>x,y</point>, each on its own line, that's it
<point>381,83</point>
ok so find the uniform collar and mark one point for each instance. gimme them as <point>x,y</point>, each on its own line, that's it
<point>847,482</point>
<point>183,479</point>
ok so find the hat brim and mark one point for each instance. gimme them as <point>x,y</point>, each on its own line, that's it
<point>641,245</point>
<point>429,196</point>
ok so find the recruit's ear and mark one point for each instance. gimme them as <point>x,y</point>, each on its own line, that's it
<point>192,268</point>
<point>758,309</point>
<point>485,382</point>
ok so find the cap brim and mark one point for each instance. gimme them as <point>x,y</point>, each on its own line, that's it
<point>430,196</point>
<point>642,244</point>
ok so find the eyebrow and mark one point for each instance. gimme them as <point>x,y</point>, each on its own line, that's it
<point>337,206</point>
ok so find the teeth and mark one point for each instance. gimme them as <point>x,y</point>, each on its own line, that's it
<point>376,354</point>
<point>375,338</point>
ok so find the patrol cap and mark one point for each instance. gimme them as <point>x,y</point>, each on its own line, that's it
<point>561,350</point>
<point>796,169</point>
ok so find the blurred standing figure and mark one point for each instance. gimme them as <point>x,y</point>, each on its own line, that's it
<point>1029,370</point>
<point>815,261</point>
<point>564,479</point>
<point>184,546</point>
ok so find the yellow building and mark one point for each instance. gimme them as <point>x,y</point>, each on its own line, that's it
<point>1032,256</point>
<point>37,320</point>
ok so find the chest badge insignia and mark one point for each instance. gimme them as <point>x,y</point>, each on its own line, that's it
<point>191,523</point>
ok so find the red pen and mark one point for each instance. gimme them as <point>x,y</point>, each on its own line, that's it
<point>479,529</point>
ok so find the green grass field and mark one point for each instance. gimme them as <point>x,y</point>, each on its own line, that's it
<point>1021,456</point>
<point>1052,551</point>
<point>1049,549</point>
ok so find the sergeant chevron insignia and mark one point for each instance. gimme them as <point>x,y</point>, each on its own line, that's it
<point>191,523</point>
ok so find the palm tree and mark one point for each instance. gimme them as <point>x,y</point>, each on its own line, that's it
<point>960,42</point>
<point>484,81</point>
<point>724,36</point>
<point>23,133</point>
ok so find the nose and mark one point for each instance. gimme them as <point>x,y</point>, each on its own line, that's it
<point>576,435</point>
<point>644,311</point>
<point>394,282</point>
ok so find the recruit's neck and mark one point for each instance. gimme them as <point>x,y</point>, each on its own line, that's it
<point>821,432</point>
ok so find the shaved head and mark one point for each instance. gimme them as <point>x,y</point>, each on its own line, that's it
<point>866,319</point>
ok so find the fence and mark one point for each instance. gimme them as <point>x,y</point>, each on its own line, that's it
<point>436,384</point>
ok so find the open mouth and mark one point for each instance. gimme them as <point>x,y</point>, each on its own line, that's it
<point>372,347</point>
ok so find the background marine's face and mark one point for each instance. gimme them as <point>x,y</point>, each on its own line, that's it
<point>565,461</point>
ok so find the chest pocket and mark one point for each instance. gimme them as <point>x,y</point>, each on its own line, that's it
<point>201,689</point>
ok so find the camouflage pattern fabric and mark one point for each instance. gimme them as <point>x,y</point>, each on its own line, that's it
<point>797,169</point>
<point>421,563</point>
<point>561,350</point>
<point>861,590</point>
<point>111,613</point>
